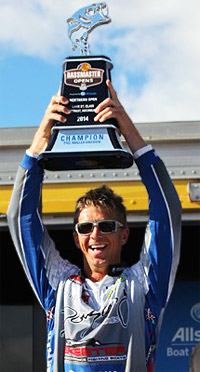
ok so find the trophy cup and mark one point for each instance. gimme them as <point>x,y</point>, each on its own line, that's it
<point>82,143</point>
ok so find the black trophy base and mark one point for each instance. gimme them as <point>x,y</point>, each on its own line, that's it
<point>85,160</point>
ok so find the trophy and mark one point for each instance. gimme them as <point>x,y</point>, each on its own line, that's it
<point>82,143</point>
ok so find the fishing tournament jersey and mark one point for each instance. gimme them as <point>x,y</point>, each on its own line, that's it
<point>111,325</point>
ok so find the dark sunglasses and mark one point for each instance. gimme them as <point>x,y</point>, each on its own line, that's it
<point>104,226</point>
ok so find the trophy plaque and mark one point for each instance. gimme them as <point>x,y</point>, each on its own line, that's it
<point>82,143</point>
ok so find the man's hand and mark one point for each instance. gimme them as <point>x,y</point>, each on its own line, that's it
<point>112,108</point>
<point>54,112</point>
<point>109,108</point>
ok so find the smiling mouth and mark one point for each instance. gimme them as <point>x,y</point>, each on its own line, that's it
<point>98,247</point>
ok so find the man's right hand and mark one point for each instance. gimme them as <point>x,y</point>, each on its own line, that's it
<point>54,112</point>
<point>112,108</point>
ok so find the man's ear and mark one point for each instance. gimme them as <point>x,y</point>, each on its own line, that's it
<point>75,236</point>
<point>125,235</point>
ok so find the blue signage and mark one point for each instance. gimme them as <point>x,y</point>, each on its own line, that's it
<point>180,330</point>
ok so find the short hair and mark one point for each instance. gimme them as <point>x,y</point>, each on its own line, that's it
<point>104,198</point>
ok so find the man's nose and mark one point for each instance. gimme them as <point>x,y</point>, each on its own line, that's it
<point>95,232</point>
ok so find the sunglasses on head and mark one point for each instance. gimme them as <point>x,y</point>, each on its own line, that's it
<point>104,226</point>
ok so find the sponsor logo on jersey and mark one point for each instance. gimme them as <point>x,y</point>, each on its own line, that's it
<point>50,314</point>
<point>150,316</point>
<point>76,279</point>
<point>95,354</point>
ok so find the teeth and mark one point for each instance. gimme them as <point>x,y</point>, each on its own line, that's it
<point>98,246</point>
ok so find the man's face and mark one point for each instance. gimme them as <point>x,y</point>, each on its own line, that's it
<point>100,250</point>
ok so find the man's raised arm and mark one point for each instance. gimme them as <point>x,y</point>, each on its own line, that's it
<point>41,261</point>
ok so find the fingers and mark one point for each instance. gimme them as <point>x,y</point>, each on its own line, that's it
<point>57,109</point>
<point>56,117</point>
<point>105,115</point>
<point>112,91</point>
<point>110,107</point>
<point>111,101</point>
<point>108,113</point>
<point>108,102</point>
<point>57,98</point>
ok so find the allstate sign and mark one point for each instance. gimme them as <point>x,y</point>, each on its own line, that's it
<point>180,329</point>
<point>195,312</point>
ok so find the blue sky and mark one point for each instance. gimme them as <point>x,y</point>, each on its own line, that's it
<point>154,46</point>
<point>27,85</point>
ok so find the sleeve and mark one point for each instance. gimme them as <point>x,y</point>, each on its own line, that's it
<point>41,261</point>
<point>161,248</point>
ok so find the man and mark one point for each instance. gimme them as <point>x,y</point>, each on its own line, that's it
<point>106,317</point>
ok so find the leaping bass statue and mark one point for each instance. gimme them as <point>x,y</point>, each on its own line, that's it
<point>83,22</point>
<point>83,143</point>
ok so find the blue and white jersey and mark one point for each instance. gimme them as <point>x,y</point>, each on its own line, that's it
<point>119,332</point>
